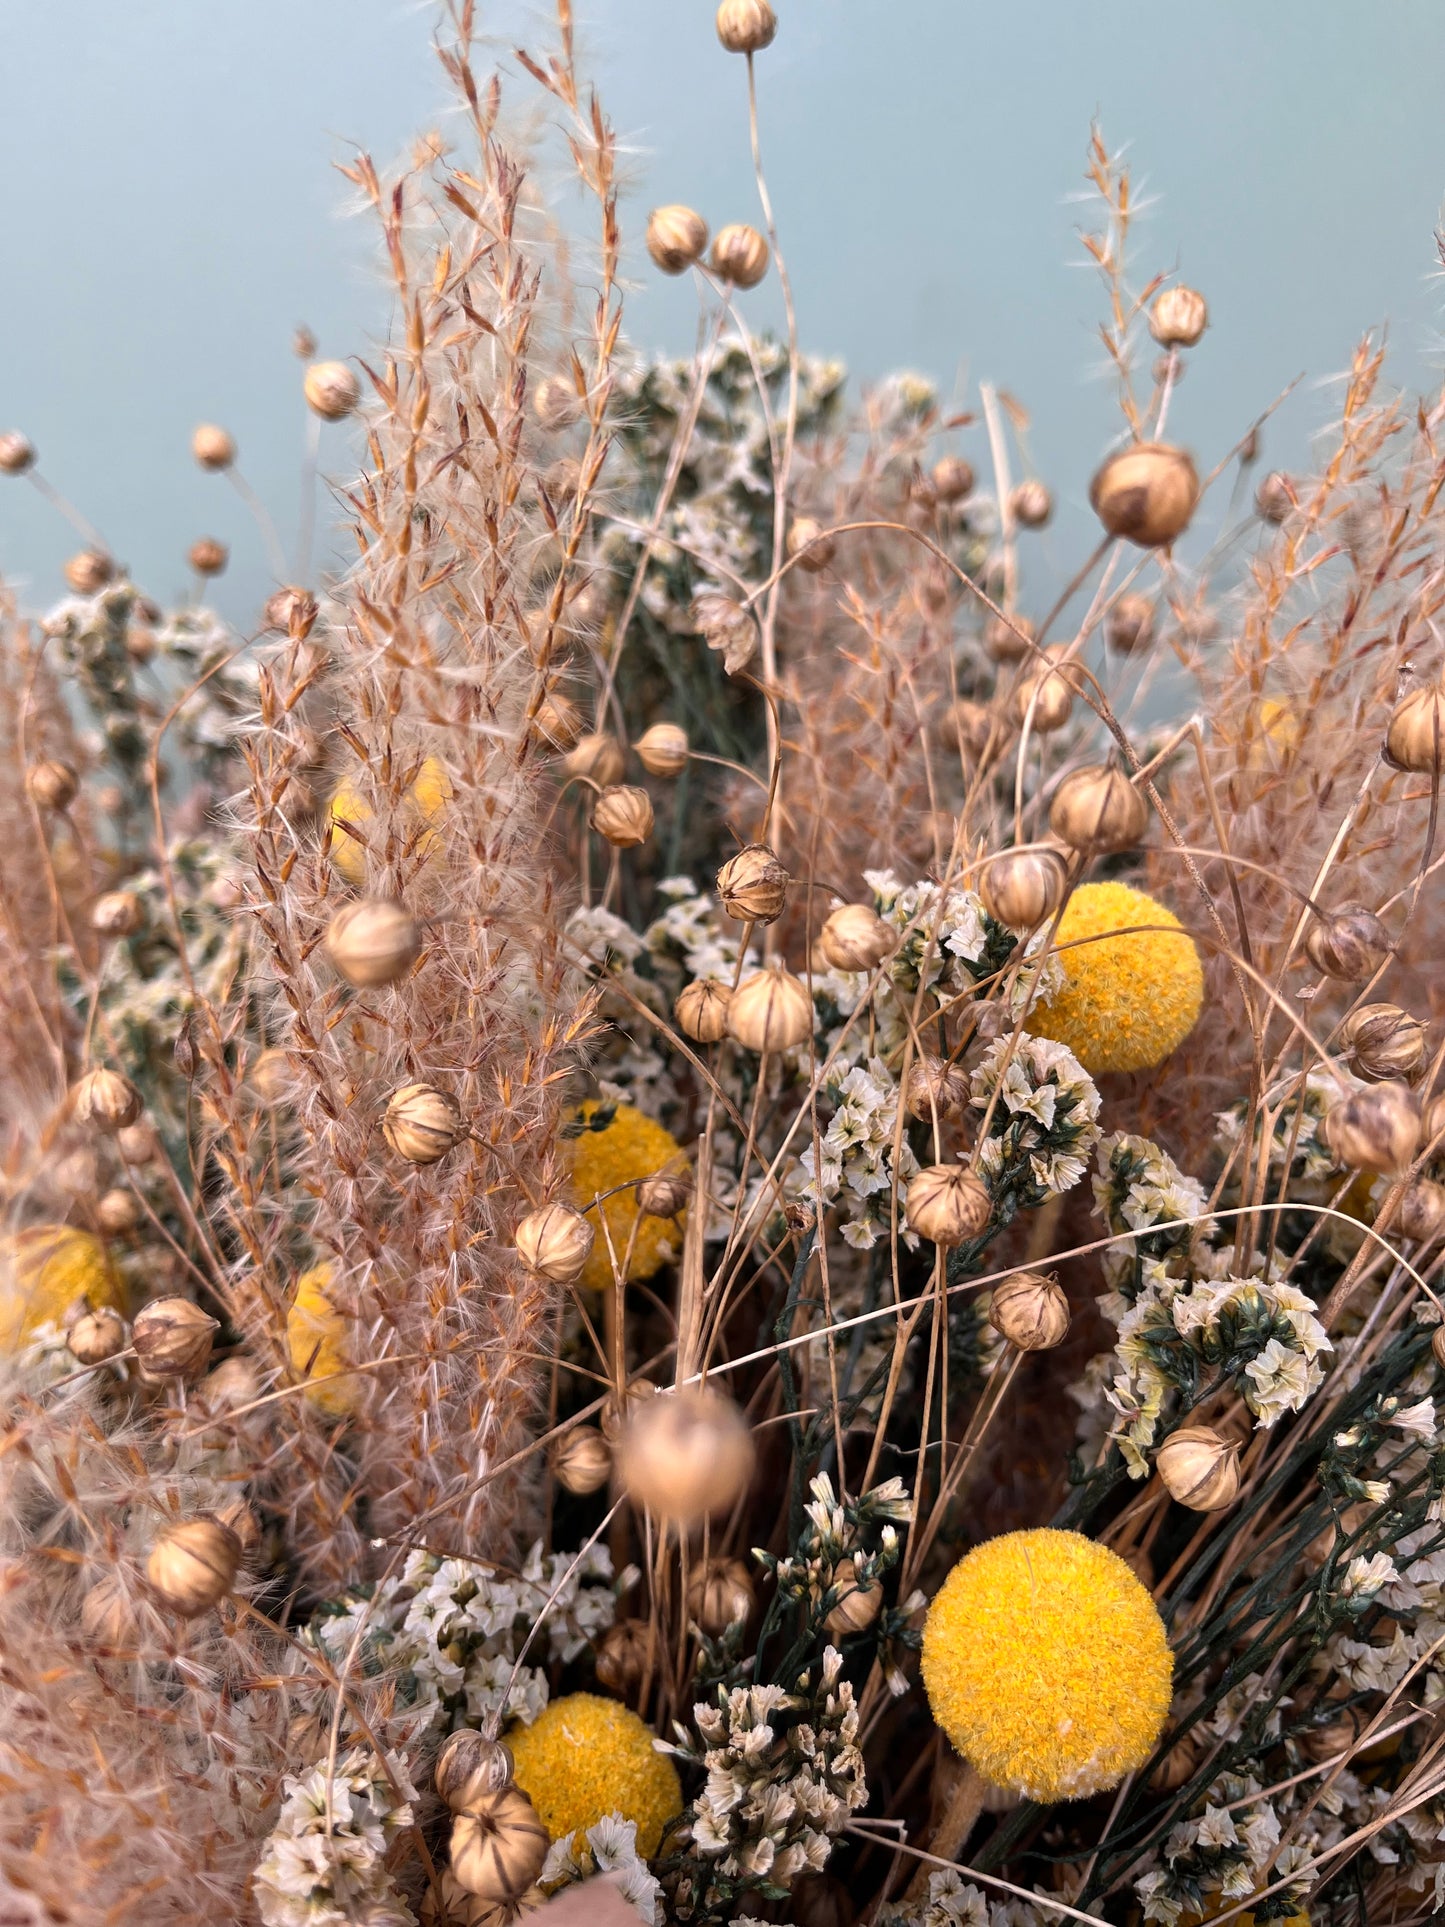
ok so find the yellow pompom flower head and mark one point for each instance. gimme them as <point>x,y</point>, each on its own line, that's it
<point>426,798</point>
<point>44,1271</point>
<point>585,1757</point>
<point>611,1147</point>
<point>1047,1664</point>
<point>1133,984</point>
<point>318,1340</point>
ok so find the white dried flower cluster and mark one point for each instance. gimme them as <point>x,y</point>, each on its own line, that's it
<point>1044,1122</point>
<point>952,1901</point>
<point>600,937</point>
<point>692,931</point>
<point>610,1848</point>
<point>1230,1847</point>
<point>856,1166</point>
<point>324,1863</point>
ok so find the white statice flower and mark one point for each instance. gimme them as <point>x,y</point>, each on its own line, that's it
<point>323,1864</point>
<point>1364,1577</point>
<point>597,935</point>
<point>609,1849</point>
<point>856,1168</point>
<point>1046,1111</point>
<point>1418,1420</point>
<point>694,930</point>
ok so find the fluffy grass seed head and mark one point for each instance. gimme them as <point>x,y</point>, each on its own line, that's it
<point>317,1342</point>
<point>1129,1000</point>
<point>630,1147</point>
<point>428,797</point>
<point>1046,1663</point>
<point>585,1757</point>
<point>44,1270</point>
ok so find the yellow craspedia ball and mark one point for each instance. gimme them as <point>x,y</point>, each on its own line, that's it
<point>1047,1665</point>
<point>318,1338</point>
<point>630,1146</point>
<point>586,1757</point>
<point>42,1273</point>
<point>428,796</point>
<point>1129,1000</point>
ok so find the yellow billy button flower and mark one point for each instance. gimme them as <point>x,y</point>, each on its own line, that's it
<point>44,1270</point>
<point>428,796</point>
<point>318,1336</point>
<point>1047,1665</point>
<point>585,1757</point>
<point>630,1147</point>
<point>1129,999</point>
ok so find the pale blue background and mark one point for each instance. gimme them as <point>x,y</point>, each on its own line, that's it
<point>171,211</point>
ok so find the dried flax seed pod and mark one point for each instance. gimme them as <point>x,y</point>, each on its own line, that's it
<point>622,815</point>
<point>207,556</point>
<point>116,913</point>
<point>471,1767</point>
<point>172,1338</point>
<point>1350,943</point>
<point>331,389</point>
<point>626,1653</point>
<point>967,726</point>
<point>105,1100</point>
<point>1147,494</point>
<point>676,237</point>
<point>1178,317</point>
<point>746,26</point>
<point>812,547</point>
<point>664,1194</point>
<point>854,938</point>
<point>1030,1311</point>
<point>752,886</point>
<point>558,721</point>
<point>686,1457</point>
<point>556,403</point>
<point>934,1085</point>
<point>1008,641</point>
<point>1274,498</point>
<point>52,784</point>
<point>1199,1468</point>
<point>293,611</point>
<point>720,1592</point>
<point>1045,697</point>
<point>952,478</point>
<point>858,1604</point>
<point>498,1845</point>
<point>1415,740</point>
<point>193,1565</point>
<point>96,1336</point>
<point>118,1212</point>
<point>421,1123</point>
<point>1032,505</point>
<point>701,1010</point>
<point>1129,626</point>
<point>1098,811</point>
<point>1022,889</point>
<point>581,1460</point>
<point>662,749</point>
<point>89,572</point>
<point>1374,1130</point>
<point>555,1241</point>
<point>770,1011</point>
<point>212,447</point>
<point>740,255</point>
<point>373,941</point>
<point>17,453</point>
<point>1420,1214</point>
<point>947,1204</point>
<point>598,757</point>
<point>1384,1042</point>
<point>108,1616</point>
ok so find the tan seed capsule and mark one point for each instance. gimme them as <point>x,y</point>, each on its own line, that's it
<point>238,1516</point>
<point>1045,698</point>
<point>687,1456</point>
<point>1009,640</point>
<point>293,611</point>
<point>109,1617</point>
<point>622,815</point>
<point>1415,740</point>
<point>854,937</point>
<point>116,913</point>
<point>212,447</point>
<point>740,255</point>
<point>559,721</point>
<point>1129,626</point>
<point>1147,494</point>
<point>271,1076</point>
<point>1420,1214</point>
<point>556,403</point>
<point>935,1087</point>
<point>331,390</point>
<point>676,237</point>
<point>193,1565</point>
<point>105,1100</point>
<point>702,1010</point>
<point>1178,317</point>
<point>1432,1127</point>
<point>598,757</point>
<point>581,1460</point>
<point>746,26</point>
<point>1199,1468</point>
<point>1032,505</point>
<point>1022,889</point>
<point>1178,1765</point>
<point>1349,943</point>
<point>617,1412</point>
<point>664,1194</point>
<point>1274,498</point>
<point>625,1654</point>
<point>172,1338</point>
<point>1374,1130</point>
<point>808,542</point>
<point>719,1594</point>
<point>1030,1311</point>
<point>952,478</point>
<point>373,941</point>
<point>471,1767</point>
<point>1383,1042</point>
<point>858,1604</point>
<point>96,1336</point>
<point>498,1845</point>
<point>555,1241</point>
<point>208,556</point>
<point>1097,811</point>
<point>948,1205</point>
<point>662,749</point>
<point>231,1384</point>
<point>967,727</point>
<point>421,1123</point>
<point>727,627</point>
<point>118,1212</point>
<point>89,572</point>
<point>17,453</point>
<point>770,1011</point>
<point>752,886</point>
<point>52,784</point>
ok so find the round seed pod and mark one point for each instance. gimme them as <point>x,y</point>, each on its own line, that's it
<point>1374,1130</point>
<point>664,1194</point>
<point>239,1516</point>
<point>934,1085</point>
<point>1022,889</point>
<point>623,816</point>
<point>948,1205</point>
<point>1146,493</point>
<point>108,1615</point>
<point>471,1767</point>
<point>624,1654</point>
<point>105,1100</point>
<point>719,1593</point>
<point>331,390</point>
<point>1415,740</point>
<point>373,941</point>
<point>212,447</point>
<point>1178,317</point>
<point>17,453</point>
<point>752,886</point>
<point>1383,1042</point>
<point>662,749</point>
<point>858,1605</point>
<point>116,913</point>
<point>686,1457</point>
<point>1420,1214</point>
<point>208,556</point>
<point>293,611</point>
<point>1129,626</point>
<point>676,237</point>
<point>770,1011</point>
<point>726,625</point>
<point>1349,943</point>
<point>89,572</point>
<point>52,784</point>
<point>1030,1311</point>
<point>967,727</point>
<point>1045,697</point>
<point>807,541</point>
<point>556,403</point>
<point>598,757</point>
<point>746,26</point>
<point>498,1845</point>
<point>581,1460</point>
<point>740,255</point>
<point>1009,641</point>
<point>854,937</point>
<point>554,1241</point>
<point>96,1336</point>
<point>117,1212</point>
<point>702,1010</point>
<point>1199,1468</point>
<point>231,1384</point>
<point>1032,505</point>
<point>558,721</point>
<point>1274,498</point>
<point>617,1411</point>
<point>422,1124</point>
<point>1097,811</point>
<point>1179,1764</point>
<point>193,1565</point>
<point>271,1076</point>
<point>172,1338</point>
<point>952,478</point>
